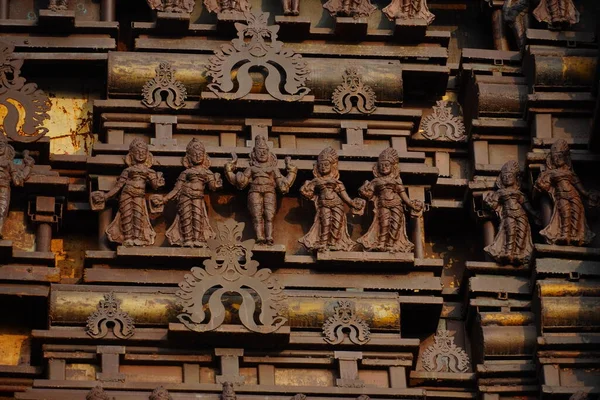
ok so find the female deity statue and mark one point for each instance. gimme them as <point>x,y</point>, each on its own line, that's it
<point>388,230</point>
<point>131,226</point>
<point>329,230</point>
<point>409,9</point>
<point>264,177</point>
<point>567,225</point>
<point>512,244</point>
<point>557,14</point>
<point>10,173</point>
<point>191,227</point>
<point>349,8</point>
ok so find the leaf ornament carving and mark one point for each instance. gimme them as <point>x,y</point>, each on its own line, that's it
<point>352,89</point>
<point>164,83</point>
<point>109,312</point>
<point>442,125</point>
<point>444,355</point>
<point>345,319</point>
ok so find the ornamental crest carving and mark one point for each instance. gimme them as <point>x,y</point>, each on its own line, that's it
<point>444,355</point>
<point>164,83</point>
<point>231,269</point>
<point>285,72</point>
<point>352,89</point>
<point>23,107</point>
<point>345,318</point>
<point>109,313</point>
<point>442,125</point>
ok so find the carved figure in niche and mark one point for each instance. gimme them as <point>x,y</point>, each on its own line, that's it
<point>164,82</point>
<point>442,125</point>
<point>191,227</point>
<point>264,179</point>
<point>386,191</point>
<point>516,14</point>
<point>345,318</point>
<point>444,355</point>
<point>109,312</point>
<point>351,88</point>
<point>512,244</point>
<point>175,6</point>
<point>228,393</point>
<point>10,173</point>
<point>231,269</point>
<point>409,9</point>
<point>349,8</point>
<point>160,393</point>
<point>26,106</point>
<point>558,14</point>
<point>58,5</point>
<point>257,46</point>
<point>291,7</point>
<point>329,230</point>
<point>567,225</point>
<point>97,393</point>
<point>131,226</point>
<point>227,6</point>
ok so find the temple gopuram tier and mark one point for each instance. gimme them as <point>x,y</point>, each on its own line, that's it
<point>299,199</point>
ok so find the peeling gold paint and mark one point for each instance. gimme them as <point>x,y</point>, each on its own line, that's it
<point>70,125</point>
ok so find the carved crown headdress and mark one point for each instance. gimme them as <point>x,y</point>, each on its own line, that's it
<point>195,144</point>
<point>138,143</point>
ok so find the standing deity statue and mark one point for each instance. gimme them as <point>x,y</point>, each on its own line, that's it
<point>349,8</point>
<point>264,178</point>
<point>131,226</point>
<point>512,244</point>
<point>227,6</point>
<point>409,9</point>
<point>557,14</point>
<point>567,225</point>
<point>10,174</point>
<point>329,230</point>
<point>176,6</point>
<point>388,230</point>
<point>516,14</point>
<point>291,7</point>
<point>191,227</point>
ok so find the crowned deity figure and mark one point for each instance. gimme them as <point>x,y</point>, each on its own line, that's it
<point>349,8</point>
<point>264,179</point>
<point>191,227</point>
<point>568,225</point>
<point>329,230</point>
<point>386,191</point>
<point>512,244</point>
<point>10,173</point>
<point>131,226</point>
<point>409,9</point>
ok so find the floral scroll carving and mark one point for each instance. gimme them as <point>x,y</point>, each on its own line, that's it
<point>20,98</point>
<point>257,46</point>
<point>164,82</point>
<point>353,88</point>
<point>160,393</point>
<point>442,125</point>
<point>97,393</point>
<point>444,355</point>
<point>231,269</point>
<point>109,312</point>
<point>345,318</point>
<point>175,6</point>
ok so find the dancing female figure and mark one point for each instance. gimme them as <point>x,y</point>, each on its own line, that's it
<point>388,230</point>
<point>567,225</point>
<point>191,227</point>
<point>512,244</point>
<point>329,230</point>
<point>131,226</point>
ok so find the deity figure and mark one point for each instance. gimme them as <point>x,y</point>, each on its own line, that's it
<point>131,226</point>
<point>264,178</point>
<point>556,13</point>
<point>329,230</point>
<point>567,225</point>
<point>349,8</point>
<point>516,14</point>
<point>58,5</point>
<point>512,244</point>
<point>191,227</point>
<point>160,393</point>
<point>10,173</point>
<point>227,6</point>
<point>291,7</point>
<point>176,6</point>
<point>409,9</point>
<point>388,230</point>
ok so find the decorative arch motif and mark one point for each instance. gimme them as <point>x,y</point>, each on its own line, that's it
<point>442,125</point>
<point>109,311</point>
<point>257,47</point>
<point>353,88</point>
<point>444,355</point>
<point>231,269</point>
<point>345,318</point>
<point>164,82</point>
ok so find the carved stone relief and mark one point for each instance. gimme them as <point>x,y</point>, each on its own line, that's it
<point>557,14</point>
<point>349,8</point>
<point>231,270</point>
<point>160,393</point>
<point>409,9</point>
<point>516,14</point>
<point>353,88</point>
<point>442,125</point>
<point>291,7</point>
<point>444,355</point>
<point>164,82</point>
<point>228,392</point>
<point>257,46</point>
<point>109,312</point>
<point>345,319</point>
<point>227,6</point>
<point>97,393</point>
<point>26,106</point>
<point>58,5</point>
<point>175,6</point>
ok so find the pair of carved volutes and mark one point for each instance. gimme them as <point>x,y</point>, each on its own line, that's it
<point>97,393</point>
<point>567,226</point>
